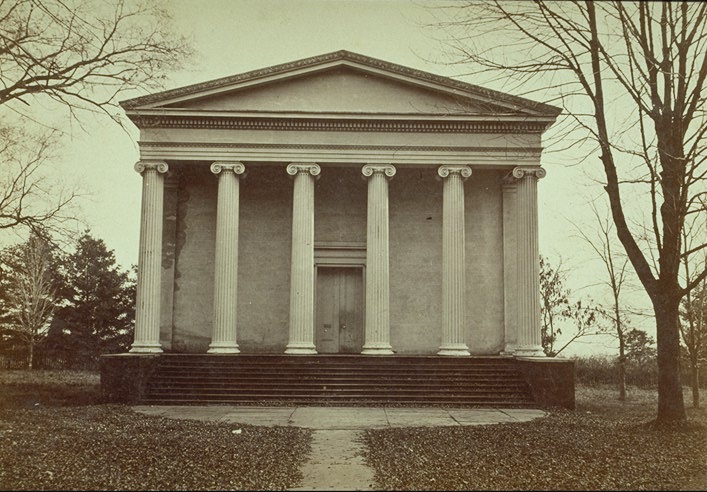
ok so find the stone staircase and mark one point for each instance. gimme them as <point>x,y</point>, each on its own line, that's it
<point>336,380</point>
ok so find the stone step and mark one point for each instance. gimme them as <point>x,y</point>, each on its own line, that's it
<point>351,379</point>
<point>317,360</point>
<point>330,379</point>
<point>340,367</point>
<point>345,403</point>
<point>339,387</point>
<point>378,374</point>
<point>339,395</point>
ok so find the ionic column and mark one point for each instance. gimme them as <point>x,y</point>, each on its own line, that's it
<point>301,339</point>
<point>224,338</point>
<point>149,267</point>
<point>377,337</point>
<point>453,260</point>
<point>510,266</point>
<point>529,336</point>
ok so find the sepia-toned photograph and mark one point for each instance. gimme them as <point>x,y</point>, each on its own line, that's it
<point>353,245</point>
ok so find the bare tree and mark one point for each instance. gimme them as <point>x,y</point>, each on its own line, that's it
<point>616,278</point>
<point>632,78</point>
<point>558,311</point>
<point>29,292</point>
<point>27,197</point>
<point>554,303</point>
<point>77,55</point>
<point>84,53</point>
<point>693,316</point>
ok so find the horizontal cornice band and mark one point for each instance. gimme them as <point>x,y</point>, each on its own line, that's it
<point>340,154</point>
<point>335,147</point>
<point>342,125</point>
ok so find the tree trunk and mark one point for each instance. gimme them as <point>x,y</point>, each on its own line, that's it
<point>31,355</point>
<point>695,381</point>
<point>671,407</point>
<point>622,371</point>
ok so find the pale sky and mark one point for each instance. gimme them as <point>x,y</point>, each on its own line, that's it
<point>234,36</point>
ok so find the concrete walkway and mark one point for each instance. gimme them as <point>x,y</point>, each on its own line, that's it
<point>336,459</point>
<point>344,418</point>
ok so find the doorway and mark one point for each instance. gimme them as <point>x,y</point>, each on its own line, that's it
<point>339,310</point>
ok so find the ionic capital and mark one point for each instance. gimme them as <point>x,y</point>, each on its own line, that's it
<point>304,167</point>
<point>388,170</point>
<point>521,172</point>
<point>235,167</point>
<point>159,166</point>
<point>446,170</point>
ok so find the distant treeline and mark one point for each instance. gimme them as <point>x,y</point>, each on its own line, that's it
<point>601,370</point>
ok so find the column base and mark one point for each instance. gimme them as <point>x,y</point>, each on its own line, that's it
<point>377,350</point>
<point>301,349</point>
<point>455,349</point>
<point>509,350</point>
<point>216,348</point>
<point>529,351</point>
<point>145,348</point>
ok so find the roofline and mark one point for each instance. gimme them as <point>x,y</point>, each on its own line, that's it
<point>313,61</point>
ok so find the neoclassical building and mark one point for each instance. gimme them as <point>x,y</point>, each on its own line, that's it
<point>338,204</point>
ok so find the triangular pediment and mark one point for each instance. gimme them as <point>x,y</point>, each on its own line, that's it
<point>340,83</point>
<point>340,90</point>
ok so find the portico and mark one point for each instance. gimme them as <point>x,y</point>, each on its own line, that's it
<point>339,190</point>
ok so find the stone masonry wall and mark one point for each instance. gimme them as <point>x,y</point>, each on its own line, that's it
<point>340,217</point>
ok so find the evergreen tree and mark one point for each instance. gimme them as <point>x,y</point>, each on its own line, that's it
<point>96,312</point>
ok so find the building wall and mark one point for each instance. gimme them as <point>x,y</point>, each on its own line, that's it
<point>415,202</point>
<point>195,239</point>
<point>484,262</point>
<point>415,198</point>
<point>265,239</point>
<point>340,206</point>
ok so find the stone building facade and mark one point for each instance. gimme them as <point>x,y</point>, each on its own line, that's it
<point>339,204</point>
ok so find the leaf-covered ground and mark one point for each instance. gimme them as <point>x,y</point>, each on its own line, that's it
<point>48,442</point>
<point>55,434</point>
<point>604,445</point>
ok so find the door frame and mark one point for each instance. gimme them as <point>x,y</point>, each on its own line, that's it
<point>341,255</point>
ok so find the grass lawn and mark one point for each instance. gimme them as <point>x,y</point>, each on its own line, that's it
<point>55,434</point>
<point>603,445</point>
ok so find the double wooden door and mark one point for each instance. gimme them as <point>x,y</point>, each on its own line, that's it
<point>339,310</point>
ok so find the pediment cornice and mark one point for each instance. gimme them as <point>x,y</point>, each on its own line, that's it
<point>342,124</point>
<point>344,58</point>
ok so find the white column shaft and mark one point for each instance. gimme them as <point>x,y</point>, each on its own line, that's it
<point>147,309</point>
<point>224,336</point>
<point>301,339</point>
<point>510,268</point>
<point>377,324</point>
<point>453,262</point>
<point>529,337</point>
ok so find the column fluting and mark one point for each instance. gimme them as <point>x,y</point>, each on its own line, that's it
<point>510,265</point>
<point>453,261</point>
<point>377,324</point>
<point>301,336</point>
<point>529,336</point>
<point>147,308</point>
<point>224,335</point>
